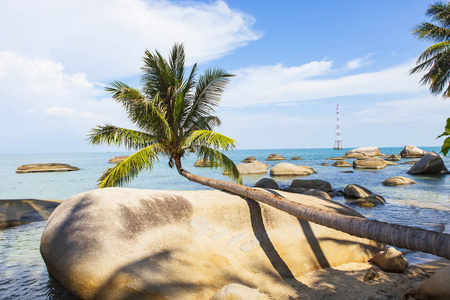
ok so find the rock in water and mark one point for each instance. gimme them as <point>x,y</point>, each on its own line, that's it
<point>398,180</point>
<point>255,167</point>
<point>430,163</point>
<point>363,151</point>
<point>410,151</point>
<point>52,167</point>
<point>119,243</point>
<point>275,157</point>
<point>249,159</point>
<point>117,159</point>
<point>341,164</point>
<point>268,183</point>
<point>356,191</point>
<point>204,163</point>
<point>375,163</point>
<point>287,169</point>
<point>394,157</point>
<point>312,184</point>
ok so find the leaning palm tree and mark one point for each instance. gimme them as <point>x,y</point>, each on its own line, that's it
<point>435,60</point>
<point>174,115</point>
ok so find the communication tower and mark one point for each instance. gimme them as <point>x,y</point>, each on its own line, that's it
<point>338,140</point>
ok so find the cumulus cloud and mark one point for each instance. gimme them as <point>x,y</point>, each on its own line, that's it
<point>279,84</point>
<point>43,103</point>
<point>107,38</point>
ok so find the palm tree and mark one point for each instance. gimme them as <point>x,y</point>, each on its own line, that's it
<point>175,116</point>
<point>436,59</point>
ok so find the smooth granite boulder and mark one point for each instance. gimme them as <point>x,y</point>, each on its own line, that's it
<point>275,157</point>
<point>390,260</point>
<point>119,243</point>
<point>363,151</point>
<point>267,183</point>
<point>204,163</point>
<point>337,158</point>
<point>393,157</point>
<point>255,167</point>
<point>308,191</point>
<point>342,164</point>
<point>324,164</point>
<point>398,180</point>
<point>430,163</point>
<point>410,151</point>
<point>371,164</point>
<point>296,158</point>
<point>312,184</point>
<point>117,159</point>
<point>369,201</point>
<point>249,159</point>
<point>356,191</point>
<point>437,287</point>
<point>287,169</point>
<point>51,167</point>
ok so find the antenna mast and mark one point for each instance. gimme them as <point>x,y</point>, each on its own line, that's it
<point>338,140</point>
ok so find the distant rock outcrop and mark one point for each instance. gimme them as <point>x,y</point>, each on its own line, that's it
<point>275,157</point>
<point>287,169</point>
<point>51,167</point>
<point>337,158</point>
<point>363,151</point>
<point>342,164</point>
<point>117,159</point>
<point>410,151</point>
<point>249,159</point>
<point>204,163</point>
<point>117,243</point>
<point>430,163</point>
<point>296,158</point>
<point>393,157</point>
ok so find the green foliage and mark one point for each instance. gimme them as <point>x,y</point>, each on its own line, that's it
<point>174,115</point>
<point>435,60</point>
<point>446,145</point>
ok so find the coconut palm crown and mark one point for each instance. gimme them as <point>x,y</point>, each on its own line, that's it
<point>174,114</point>
<point>436,59</point>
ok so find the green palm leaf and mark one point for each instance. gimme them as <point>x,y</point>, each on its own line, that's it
<point>210,139</point>
<point>129,168</point>
<point>220,160</point>
<point>112,135</point>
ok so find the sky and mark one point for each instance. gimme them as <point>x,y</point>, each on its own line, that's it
<point>294,61</point>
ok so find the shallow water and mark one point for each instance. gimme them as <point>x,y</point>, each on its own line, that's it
<point>23,274</point>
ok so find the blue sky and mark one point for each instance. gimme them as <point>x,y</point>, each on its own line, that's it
<point>294,61</point>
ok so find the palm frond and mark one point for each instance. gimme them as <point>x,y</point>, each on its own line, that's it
<point>210,139</point>
<point>113,135</point>
<point>220,160</point>
<point>431,32</point>
<point>440,13</point>
<point>129,168</point>
<point>207,95</point>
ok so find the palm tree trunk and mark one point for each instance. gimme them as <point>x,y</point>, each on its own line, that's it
<point>392,234</point>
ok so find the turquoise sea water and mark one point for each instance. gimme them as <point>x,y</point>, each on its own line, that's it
<point>22,271</point>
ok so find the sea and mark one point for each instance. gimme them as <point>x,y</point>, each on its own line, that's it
<point>23,274</point>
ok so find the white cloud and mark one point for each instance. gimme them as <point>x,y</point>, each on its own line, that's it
<point>277,84</point>
<point>358,62</point>
<point>41,102</point>
<point>107,38</point>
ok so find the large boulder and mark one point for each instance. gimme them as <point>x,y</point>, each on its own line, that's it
<point>371,164</point>
<point>275,157</point>
<point>437,287</point>
<point>430,163</point>
<point>398,180</point>
<point>51,167</point>
<point>369,201</point>
<point>267,183</point>
<point>234,291</point>
<point>118,159</point>
<point>312,184</point>
<point>255,167</point>
<point>363,151</point>
<point>118,243</point>
<point>410,151</point>
<point>287,169</point>
<point>249,159</point>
